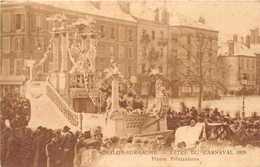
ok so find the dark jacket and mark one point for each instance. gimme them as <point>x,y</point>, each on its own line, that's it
<point>53,152</point>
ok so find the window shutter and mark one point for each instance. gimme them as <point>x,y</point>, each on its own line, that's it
<point>22,21</point>
<point>7,21</point>
<point>13,21</point>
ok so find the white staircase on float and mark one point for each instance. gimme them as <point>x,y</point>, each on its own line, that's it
<point>48,109</point>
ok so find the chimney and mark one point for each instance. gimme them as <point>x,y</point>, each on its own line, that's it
<point>248,41</point>
<point>202,20</point>
<point>96,4</point>
<point>235,38</point>
<point>124,6</point>
<point>230,47</point>
<point>252,36</point>
<point>242,40</point>
<point>156,15</point>
<point>164,14</point>
<point>256,35</point>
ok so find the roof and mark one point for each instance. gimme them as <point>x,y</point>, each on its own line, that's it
<point>240,49</point>
<point>112,9</point>
<point>109,9</point>
<point>255,48</point>
<point>177,19</point>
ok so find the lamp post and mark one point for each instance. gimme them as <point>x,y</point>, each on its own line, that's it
<point>244,82</point>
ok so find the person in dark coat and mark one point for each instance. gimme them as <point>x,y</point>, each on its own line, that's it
<point>27,151</point>
<point>53,152</point>
<point>77,150</point>
<point>6,133</point>
<point>12,158</point>
<point>68,144</point>
<point>39,146</point>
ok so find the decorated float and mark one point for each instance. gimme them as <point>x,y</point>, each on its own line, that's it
<point>79,43</point>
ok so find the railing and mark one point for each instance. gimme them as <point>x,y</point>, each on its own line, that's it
<point>69,114</point>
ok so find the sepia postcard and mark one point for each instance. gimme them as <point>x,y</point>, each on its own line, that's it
<point>130,83</point>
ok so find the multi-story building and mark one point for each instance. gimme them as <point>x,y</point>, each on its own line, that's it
<point>138,40</point>
<point>254,45</point>
<point>25,36</point>
<point>152,43</point>
<point>184,46</point>
<point>240,60</point>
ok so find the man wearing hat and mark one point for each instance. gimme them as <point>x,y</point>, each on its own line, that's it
<point>68,144</point>
<point>53,152</point>
<point>80,145</point>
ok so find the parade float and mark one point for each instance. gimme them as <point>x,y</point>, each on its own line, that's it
<point>77,43</point>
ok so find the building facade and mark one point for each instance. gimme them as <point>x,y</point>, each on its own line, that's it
<point>254,45</point>
<point>186,40</point>
<point>240,60</point>
<point>138,41</point>
<point>26,33</point>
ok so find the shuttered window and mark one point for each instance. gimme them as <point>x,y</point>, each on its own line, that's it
<point>7,22</point>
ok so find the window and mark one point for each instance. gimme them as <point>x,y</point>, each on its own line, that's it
<point>161,52</point>
<point>143,68</point>
<point>248,63</point>
<point>48,24</point>
<point>130,35</point>
<point>7,22</point>
<point>112,33</point>
<point>112,50</point>
<point>18,44</point>
<point>121,51</point>
<point>121,33</point>
<point>242,62</point>
<point>174,38</point>
<point>253,63</point>
<point>39,44</point>
<point>130,53</point>
<point>18,66</point>
<point>186,89</point>
<point>129,71</point>
<point>6,44</point>
<point>18,21</point>
<point>196,89</point>
<point>5,67</point>
<point>102,31</point>
<point>39,21</point>
<point>102,50</point>
<point>162,34</point>
<point>153,35</point>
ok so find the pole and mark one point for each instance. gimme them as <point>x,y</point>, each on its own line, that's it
<point>243,108</point>
<point>81,120</point>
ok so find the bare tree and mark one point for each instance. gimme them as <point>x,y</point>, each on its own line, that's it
<point>202,67</point>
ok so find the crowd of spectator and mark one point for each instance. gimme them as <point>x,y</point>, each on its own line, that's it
<point>15,111</point>
<point>43,147</point>
<point>239,130</point>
